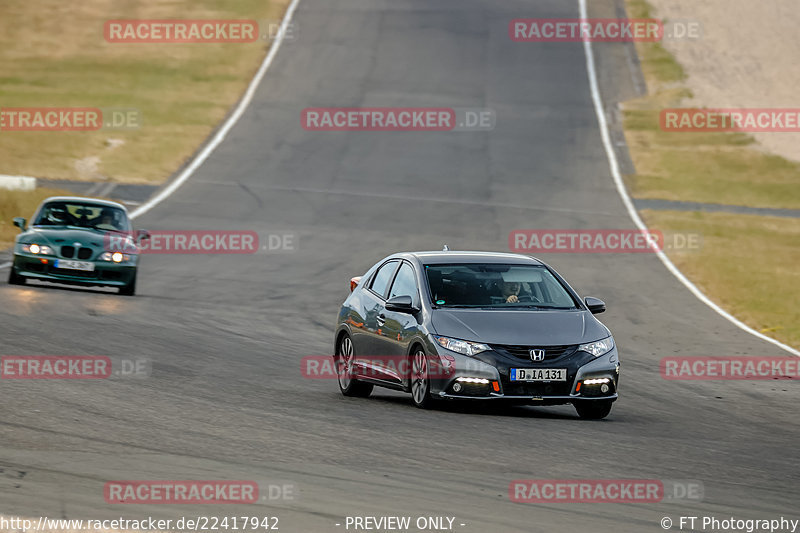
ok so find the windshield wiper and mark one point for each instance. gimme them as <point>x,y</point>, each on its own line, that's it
<point>531,306</point>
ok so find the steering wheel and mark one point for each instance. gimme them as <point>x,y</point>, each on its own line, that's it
<point>528,298</point>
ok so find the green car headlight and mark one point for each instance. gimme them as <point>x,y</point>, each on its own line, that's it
<point>116,257</point>
<point>462,347</point>
<point>598,348</point>
<point>39,249</point>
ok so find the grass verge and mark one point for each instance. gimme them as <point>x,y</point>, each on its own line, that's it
<point>747,264</point>
<point>58,57</point>
<point>719,168</point>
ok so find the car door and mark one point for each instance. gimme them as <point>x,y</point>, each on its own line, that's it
<point>399,328</point>
<point>368,344</point>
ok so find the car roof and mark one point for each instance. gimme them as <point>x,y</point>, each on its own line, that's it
<point>440,257</point>
<point>81,199</point>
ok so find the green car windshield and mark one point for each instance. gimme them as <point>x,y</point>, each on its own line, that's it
<point>83,215</point>
<point>496,286</point>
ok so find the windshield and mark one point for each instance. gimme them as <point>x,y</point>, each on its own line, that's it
<point>496,286</point>
<point>83,215</point>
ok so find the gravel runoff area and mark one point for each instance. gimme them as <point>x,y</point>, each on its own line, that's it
<point>748,56</point>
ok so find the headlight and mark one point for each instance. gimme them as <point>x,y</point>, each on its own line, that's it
<point>598,348</point>
<point>116,257</point>
<point>37,249</point>
<point>462,347</point>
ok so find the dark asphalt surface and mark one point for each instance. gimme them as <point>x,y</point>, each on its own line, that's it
<point>672,205</point>
<point>226,333</point>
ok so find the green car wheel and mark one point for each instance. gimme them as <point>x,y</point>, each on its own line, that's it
<point>14,278</point>
<point>130,288</point>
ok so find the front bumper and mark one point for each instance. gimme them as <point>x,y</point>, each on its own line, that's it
<point>105,273</point>
<point>495,367</point>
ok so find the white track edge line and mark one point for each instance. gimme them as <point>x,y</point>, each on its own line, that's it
<point>615,172</point>
<point>232,120</point>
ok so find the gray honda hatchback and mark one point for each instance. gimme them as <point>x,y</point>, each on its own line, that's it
<point>475,325</point>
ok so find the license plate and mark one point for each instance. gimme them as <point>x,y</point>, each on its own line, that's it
<point>538,374</point>
<point>75,265</point>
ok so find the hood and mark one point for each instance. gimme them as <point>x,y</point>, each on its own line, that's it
<point>62,236</point>
<point>519,327</point>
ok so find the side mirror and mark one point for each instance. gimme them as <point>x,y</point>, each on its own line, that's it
<point>401,304</point>
<point>595,305</point>
<point>142,235</point>
<point>20,223</point>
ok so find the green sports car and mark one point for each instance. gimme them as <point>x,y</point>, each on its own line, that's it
<point>80,241</point>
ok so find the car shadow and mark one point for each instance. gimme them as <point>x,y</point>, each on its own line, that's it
<point>484,408</point>
<point>71,288</point>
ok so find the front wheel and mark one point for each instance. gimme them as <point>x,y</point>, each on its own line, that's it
<point>593,409</point>
<point>14,278</point>
<point>420,380</point>
<point>130,288</point>
<point>344,371</point>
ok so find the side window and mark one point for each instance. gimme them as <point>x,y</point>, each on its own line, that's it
<point>405,284</point>
<point>382,278</point>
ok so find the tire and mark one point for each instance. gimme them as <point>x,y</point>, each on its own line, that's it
<point>420,380</point>
<point>344,367</point>
<point>130,288</point>
<point>593,410</point>
<point>14,278</point>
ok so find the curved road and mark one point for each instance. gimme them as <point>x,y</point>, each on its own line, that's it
<point>226,333</point>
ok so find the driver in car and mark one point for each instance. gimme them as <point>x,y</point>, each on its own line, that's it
<point>57,216</point>
<point>510,290</point>
<point>106,218</point>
